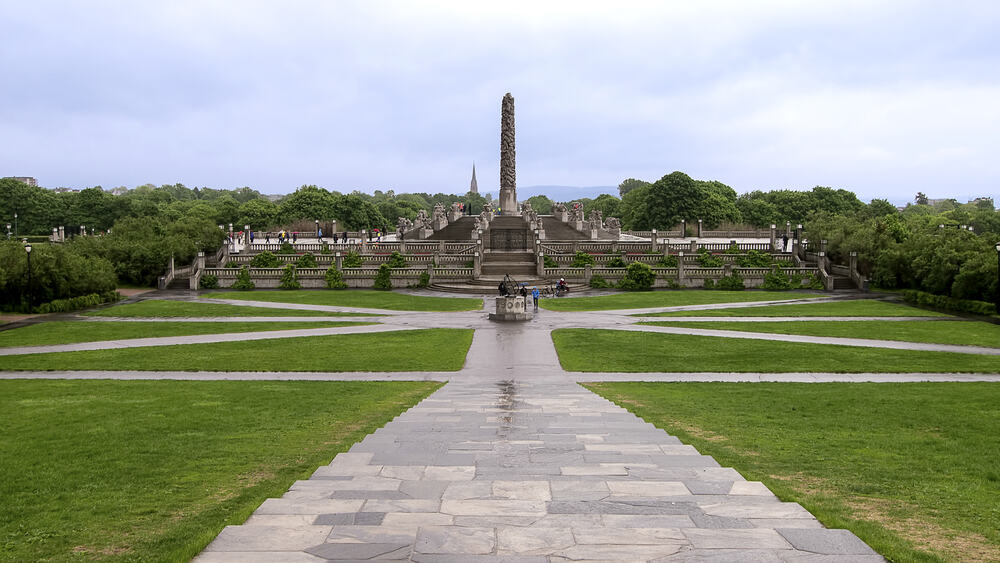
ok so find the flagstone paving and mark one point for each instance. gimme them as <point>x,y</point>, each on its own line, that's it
<point>512,461</point>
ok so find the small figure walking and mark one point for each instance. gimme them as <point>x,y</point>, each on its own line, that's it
<point>784,242</point>
<point>534,297</point>
<point>295,237</point>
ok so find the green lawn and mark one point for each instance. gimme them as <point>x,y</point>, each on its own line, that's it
<point>910,468</point>
<point>366,298</point>
<point>161,308</point>
<point>962,333</point>
<point>438,349</point>
<point>153,470</point>
<point>67,332</point>
<point>601,350</point>
<point>649,299</point>
<point>856,308</point>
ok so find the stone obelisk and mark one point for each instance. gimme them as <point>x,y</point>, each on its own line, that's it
<point>508,176</point>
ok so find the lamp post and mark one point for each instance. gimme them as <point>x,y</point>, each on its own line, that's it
<point>27,249</point>
<point>8,231</point>
<point>996,298</point>
<point>317,228</point>
<point>15,224</point>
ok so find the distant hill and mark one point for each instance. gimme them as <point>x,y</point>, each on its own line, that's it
<point>561,193</point>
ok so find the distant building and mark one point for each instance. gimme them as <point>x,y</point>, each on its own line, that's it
<point>473,186</point>
<point>24,179</point>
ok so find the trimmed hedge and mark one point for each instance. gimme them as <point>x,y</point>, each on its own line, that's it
<point>81,302</point>
<point>948,303</point>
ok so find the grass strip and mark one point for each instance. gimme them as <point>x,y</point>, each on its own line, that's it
<point>855,308</point>
<point>603,350</point>
<point>162,308</point>
<point>671,298</point>
<point>68,332</point>
<point>153,470</point>
<point>436,349</point>
<point>961,333</point>
<point>365,298</point>
<point>910,468</point>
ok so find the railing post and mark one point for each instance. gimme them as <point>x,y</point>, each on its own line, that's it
<point>652,240</point>
<point>699,228</point>
<point>680,268</point>
<point>430,273</point>
<point>588,272</point>
<point>540,265</point>
<point>477,265</point>
<point>364,241</point>
<point>694,246</point>
<point>774,237</point>
<point>338,261</point>
<point>684,229</point>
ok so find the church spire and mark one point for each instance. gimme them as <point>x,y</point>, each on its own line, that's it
<point>473,186</point>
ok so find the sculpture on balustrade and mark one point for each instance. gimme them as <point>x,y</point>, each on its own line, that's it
<point>558,207</point>
<point>456,207</point>
<point>613,224</point>
<point>422,221</point>
<point>525,208</point>
<point>596,219</point>
<point>488,208</point>
<point>403,225</point>
<point>576,212</point>
<point>438,211</point>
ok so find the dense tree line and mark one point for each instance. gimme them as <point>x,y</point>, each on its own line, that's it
<point>898,249</point>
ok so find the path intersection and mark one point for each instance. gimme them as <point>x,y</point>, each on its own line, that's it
<point>513,461</point>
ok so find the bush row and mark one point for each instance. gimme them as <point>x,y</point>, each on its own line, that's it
<point>81,302</point>
<point>948,303</point>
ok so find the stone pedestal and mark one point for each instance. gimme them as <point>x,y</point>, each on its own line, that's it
<point>511,308</point>
<point>424,233</point>
<point>561,215</point>
<point>454,215</point>
<point>439,223</point>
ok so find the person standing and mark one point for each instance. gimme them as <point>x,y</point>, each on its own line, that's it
<point>534,297</point>
<point>784,242</point>
<point>295,237</point>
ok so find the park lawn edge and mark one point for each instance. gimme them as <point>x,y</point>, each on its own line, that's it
<point>667,298</point>
<point>357,298</point>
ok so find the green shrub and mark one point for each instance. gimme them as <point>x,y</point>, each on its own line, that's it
<point>806,280</point>
<point>325,249</point>
<point>672,284</point>
<point>616,262</point>
<point>396,260</point>
<point>730,283</point>
<point>208,281</point>
<point>289,278</point>
<point>352,260</point>
<point>777,280</point>
<point>265,259</point>
<point>425,280</point>
<point>638,277</point>
<point>709,283</point>
<point>707,260</point>
<point>231,264</point>
<point>548,262</point>
<point>668,261</point>
<point>243,281</point>
<point>470,264</point>
<point>754,259</point>
<point>80,302</point>
<point>286,248</point>
<point>582,259</point>
<point>334,280</point>
<point>733,249</point>
<point>948,303</point>
<point>383,279</point>
<point>598,282</point>
<point>307,260</point>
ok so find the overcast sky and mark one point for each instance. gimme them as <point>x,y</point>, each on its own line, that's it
<point>883,98</point>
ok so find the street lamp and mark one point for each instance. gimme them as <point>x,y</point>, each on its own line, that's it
<point>317,228</point>
<point>15,224</point>
<point>27,249</point>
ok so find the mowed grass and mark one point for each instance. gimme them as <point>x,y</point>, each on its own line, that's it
<point>641,300</point>
<point>601,350</point>
<point>365,298</point>
<point>67,332</point>
<point>854,308</point>
<point>437,349</point>
<point>962,333</point>
<point>156,308</point>
<point>910,468</point>
<point>153,470</point>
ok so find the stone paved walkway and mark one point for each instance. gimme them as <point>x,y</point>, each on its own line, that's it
<point>512,461</point>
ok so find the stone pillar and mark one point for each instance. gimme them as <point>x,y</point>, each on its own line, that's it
<point>477,265</point>
<point>652,240</point>
<point>55,234</point>
<point>684,229</point>
<point>727,269</point>
<point>680,268</point>
<point>430,273</point>
<point>540,265</point>
<point>364,241</point>
<point>800,248</point>
<point>246,235</point>
<point>788,229</point>
<point>62,234</point>
<point>454,215</point>
<point>822,246</point>
<point>562,215</point>
<point>508,174</point>
<point>338,261</point>
<point>694,246</point>
<point>83,231</point>
<point>699,228</point>
<point>402,245</point>
<point>774,237</point>
<point>588,272</point>
<point>576,246</point>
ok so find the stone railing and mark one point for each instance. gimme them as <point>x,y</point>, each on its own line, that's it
<point>674,277</point>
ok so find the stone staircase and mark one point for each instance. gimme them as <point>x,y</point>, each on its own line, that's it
<point>557,230</point>
<point>515,263</point>
<point>456,230</point>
